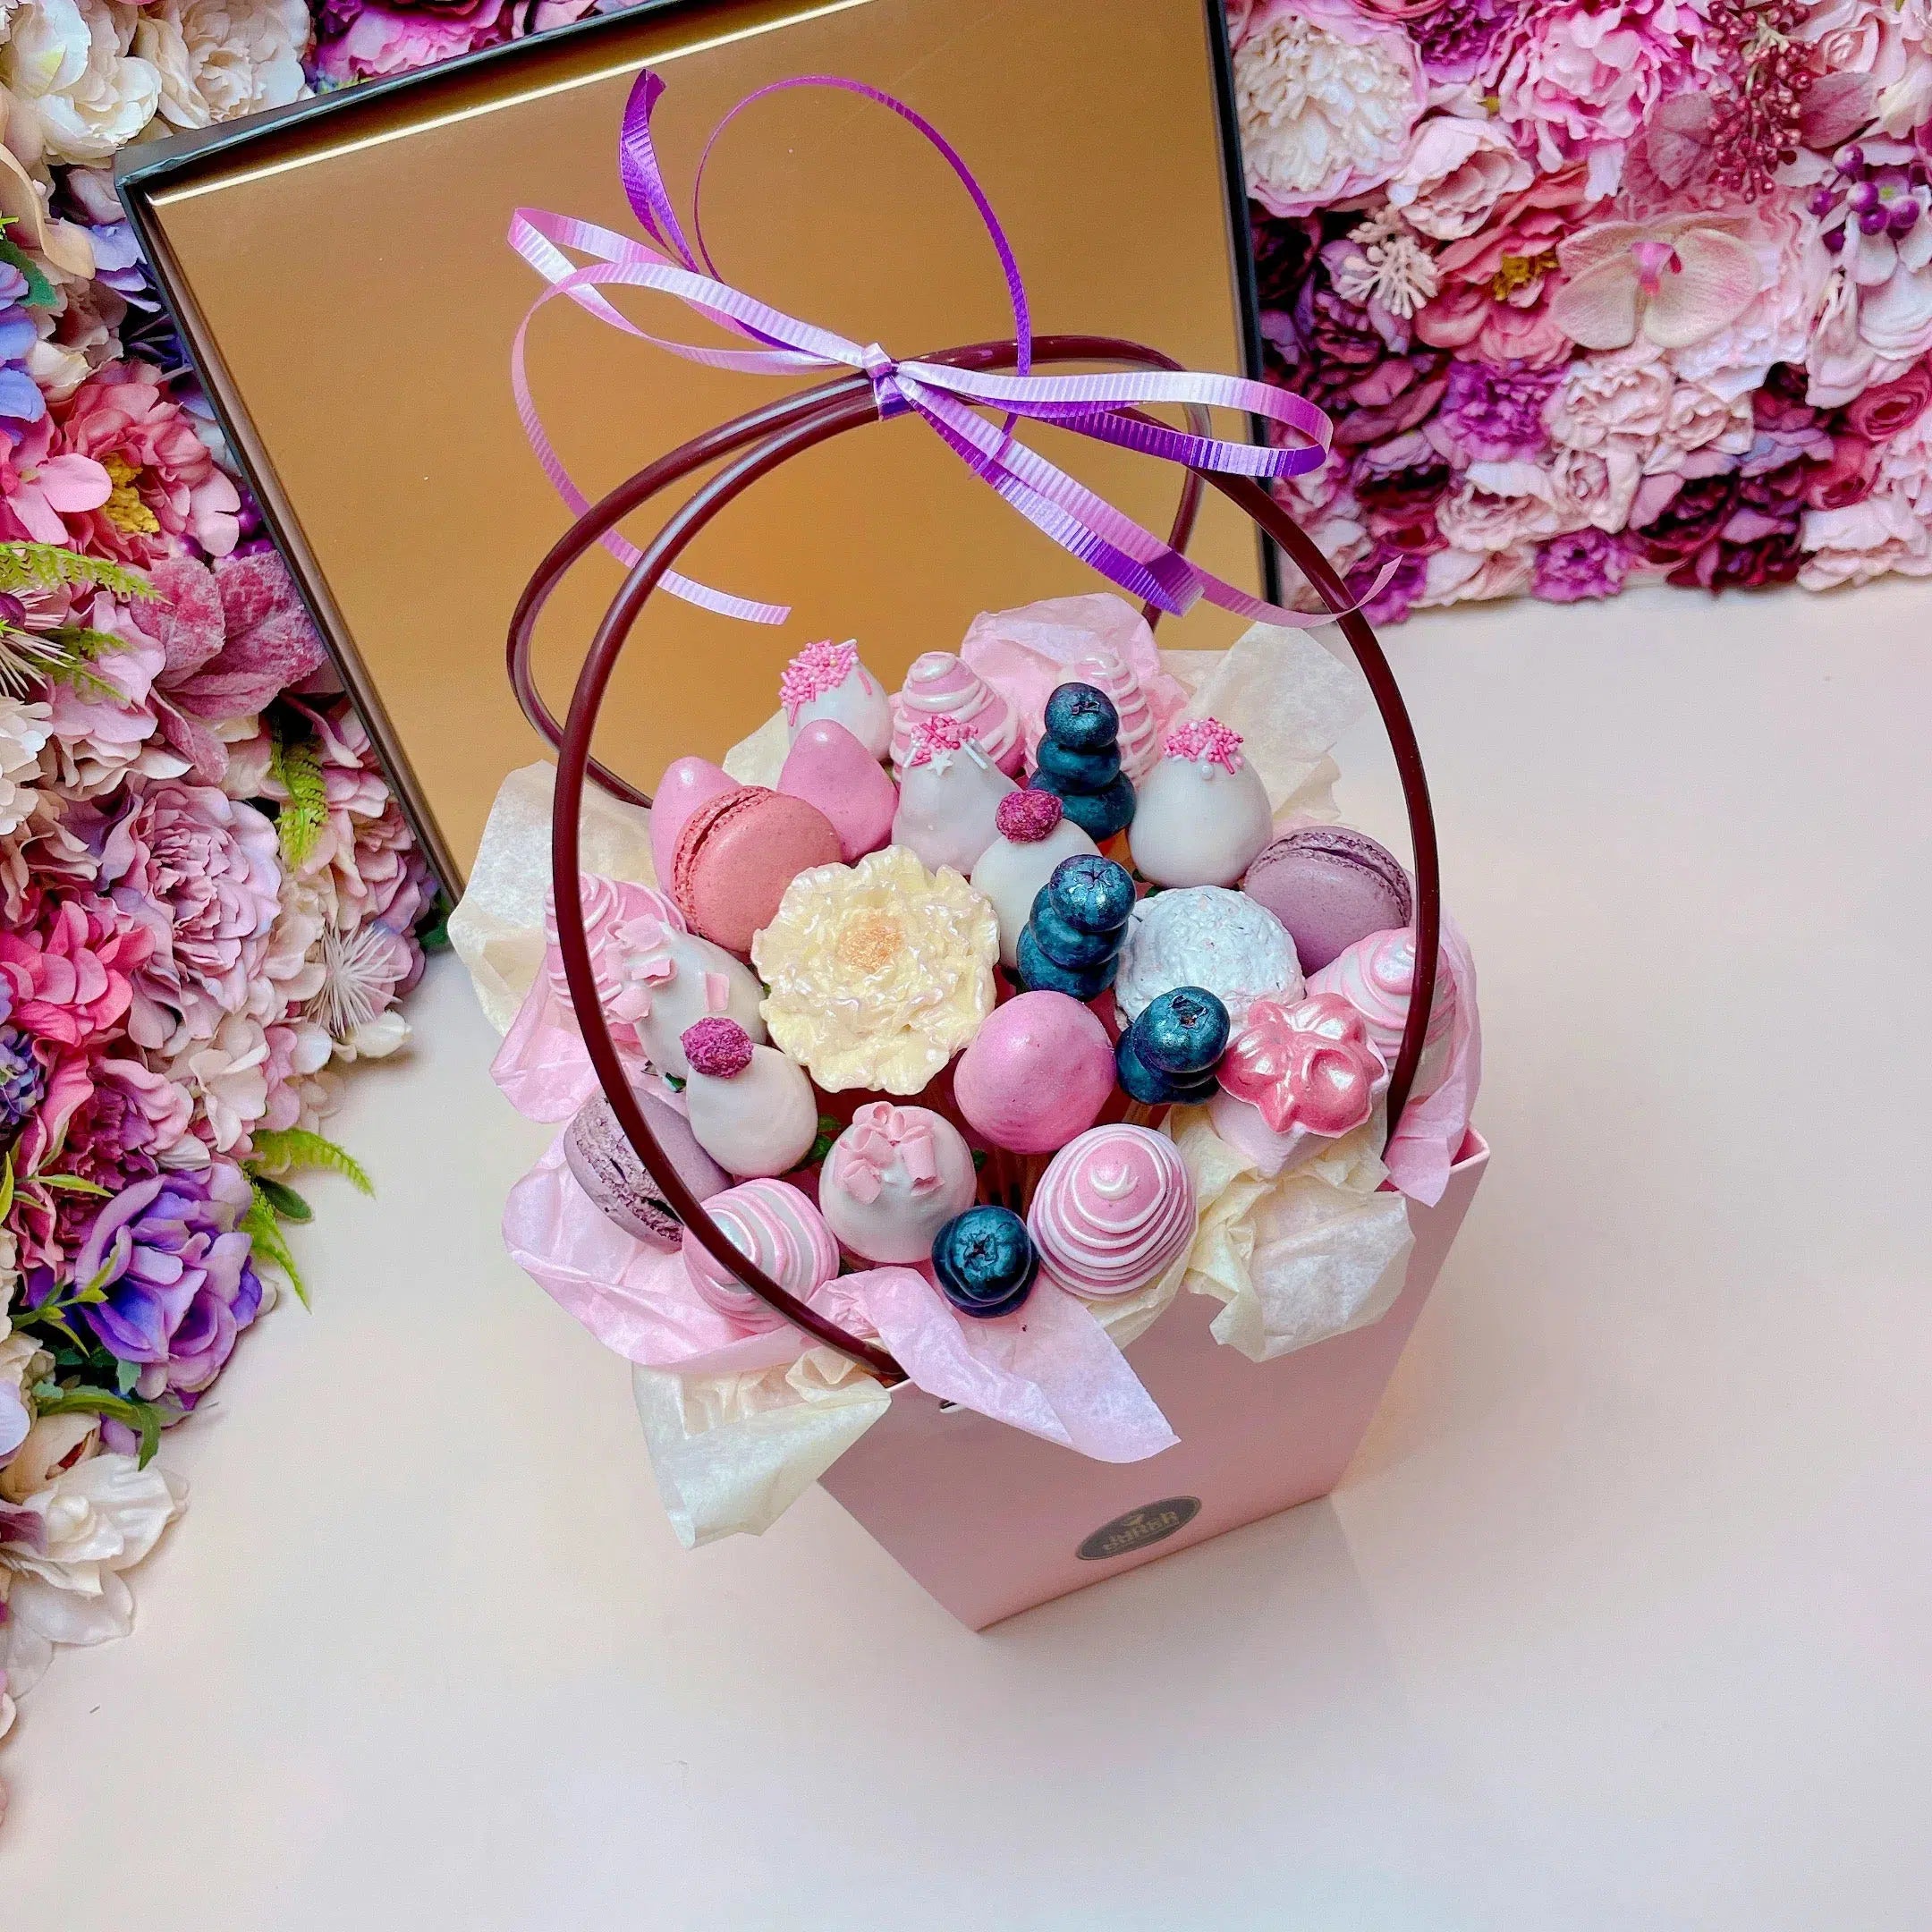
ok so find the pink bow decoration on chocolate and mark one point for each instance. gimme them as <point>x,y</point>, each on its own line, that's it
<point>947,399</point>
<point>883,1135</point>
<point>1311,1065</point>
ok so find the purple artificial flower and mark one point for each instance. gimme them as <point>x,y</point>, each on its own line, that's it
<point>1493,414</point>
<point>1588,563</point>
<point>1396,599</point>
<point>22,1078</point>
<point>177,1274</point>
<point>20,400</point>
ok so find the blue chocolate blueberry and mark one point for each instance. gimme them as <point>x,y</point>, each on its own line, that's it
<point>1082,718</point>
<point>1038,972</point>
<point>985,1261</point>
<point>1066,943</point>
<point>1153,1086</point>
<point>1184,1032</point>
<point>1092,892</point>
<point>1099,814</point>
<point>1084,771</point>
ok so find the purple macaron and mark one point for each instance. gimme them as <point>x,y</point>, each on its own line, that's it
<point>1330,887</point>
<point>605,1166</point>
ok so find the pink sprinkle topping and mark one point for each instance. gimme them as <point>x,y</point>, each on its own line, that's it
<point>1207,741</point>
<point>939,731</point>
<point>817,669</point>
<point>1028,816</point>
<point>716,1047</point>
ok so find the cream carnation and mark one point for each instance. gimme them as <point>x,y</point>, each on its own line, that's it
<point>220,59</point>
<point>1327,98</point>
<point>67,63</point>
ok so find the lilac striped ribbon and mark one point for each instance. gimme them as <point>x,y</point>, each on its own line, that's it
<point>948,399</point>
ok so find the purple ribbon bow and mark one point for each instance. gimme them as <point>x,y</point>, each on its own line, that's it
<point>1080,521</point>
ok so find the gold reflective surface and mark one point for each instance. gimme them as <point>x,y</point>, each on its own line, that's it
<point>352,298</point>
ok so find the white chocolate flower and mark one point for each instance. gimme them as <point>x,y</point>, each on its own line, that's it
<point>878,972</point>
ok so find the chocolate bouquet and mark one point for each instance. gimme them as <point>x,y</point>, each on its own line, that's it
<point>983,1017</point>
<point>943,1037</point>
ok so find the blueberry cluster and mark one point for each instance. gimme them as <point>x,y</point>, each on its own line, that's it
<point>1079,759</point>
<point>1168,1056</point>
<point>1071,943</point>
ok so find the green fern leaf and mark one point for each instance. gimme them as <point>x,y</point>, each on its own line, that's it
<point>37,566</point>
<point>279,1150</point>
<point>300,822</point>
<point>265,1232</point>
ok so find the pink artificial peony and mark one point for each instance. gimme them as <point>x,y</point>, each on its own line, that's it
<point>167,493</point>
<point>234,638</point>
<point>202,875</point>
<point>71,974</point>
<point>385,40</point>
<point>1881,534</point>
<point>40,493</point>
<point>1577,77</point>
<point>1454,173</point>
<point>1327,96</point>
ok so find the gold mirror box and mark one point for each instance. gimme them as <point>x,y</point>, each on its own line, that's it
<point>340,272</point>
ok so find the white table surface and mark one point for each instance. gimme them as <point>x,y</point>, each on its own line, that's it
<point>1620,1620</point>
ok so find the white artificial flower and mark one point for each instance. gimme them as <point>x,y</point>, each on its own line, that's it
<point>220,59</point>
<point>228,1075</point>
<point>95,1521</point>
<point>1386,263</point>
<point>69,64</point>
<point>24,728</point>
<point>1327,100</point>
<point>21,1364</point>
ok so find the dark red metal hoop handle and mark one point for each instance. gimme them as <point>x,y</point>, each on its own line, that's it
<point>761,441</point>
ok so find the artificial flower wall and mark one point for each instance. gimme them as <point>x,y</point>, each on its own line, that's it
<point>1600,291</point>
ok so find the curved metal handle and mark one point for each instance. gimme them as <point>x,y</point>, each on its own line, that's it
<point>761,441</point>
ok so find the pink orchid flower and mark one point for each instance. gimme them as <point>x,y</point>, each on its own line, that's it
<point>1673,282</point>
<point>38,489</point>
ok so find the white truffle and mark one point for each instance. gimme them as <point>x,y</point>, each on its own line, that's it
<point>1206,936</point>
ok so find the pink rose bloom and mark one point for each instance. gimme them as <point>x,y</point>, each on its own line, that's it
<point>1875,51</point>
<point>1847,477</point>
<point>1327,96</point>
<point>298,1050</point>
<point>381,42</point>
<point>1704,433</point>
<point>1454,173</point>
<point>1864,541</point>
<point>1497,285</point>
<point>71,975</point>
<point>167,493</point>
<point>1579,76</point>
<point>40,493</point>
<point>202,875</point>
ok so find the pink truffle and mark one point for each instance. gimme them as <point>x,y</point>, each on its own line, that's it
<point>1037,1074</point>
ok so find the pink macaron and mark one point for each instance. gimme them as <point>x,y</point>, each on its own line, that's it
<point>736,855</point>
